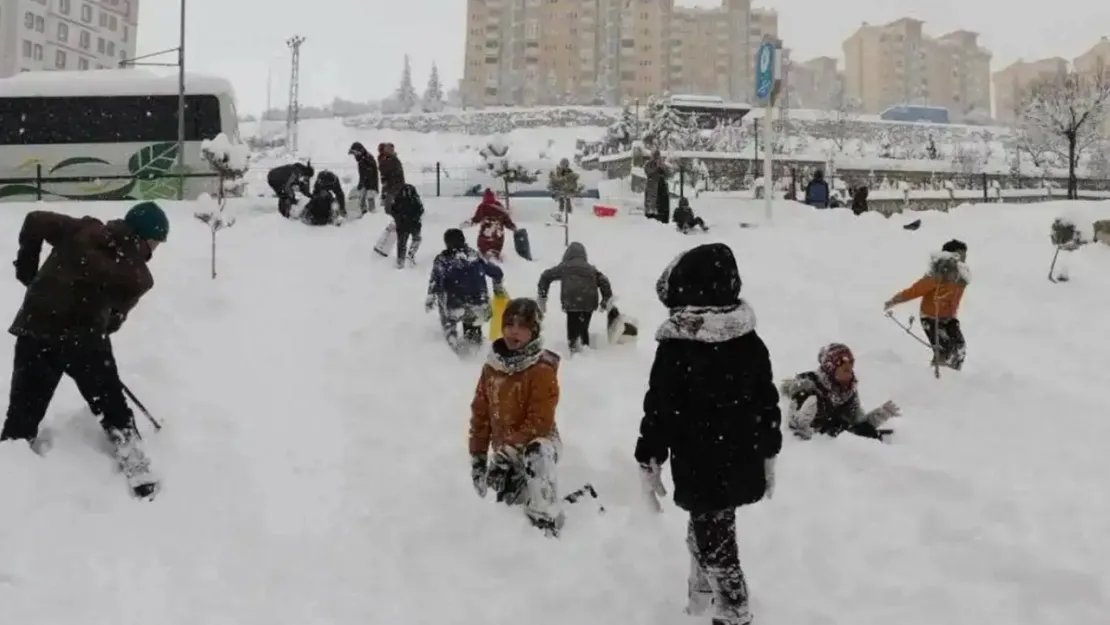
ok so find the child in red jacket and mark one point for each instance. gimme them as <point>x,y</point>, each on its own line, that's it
<point>492,220</point>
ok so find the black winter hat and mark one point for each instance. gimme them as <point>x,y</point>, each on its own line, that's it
<point>524,311</point>
<point>955,246</point>
<point>357,149</point>
<point>454,238</point>
<point>704,276</point>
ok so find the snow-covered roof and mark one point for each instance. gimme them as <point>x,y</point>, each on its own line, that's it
<point>107,82</point>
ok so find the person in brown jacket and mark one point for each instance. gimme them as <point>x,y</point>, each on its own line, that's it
<point>513,416</point>
<point>941,291</point>
<point>94,276</point>
<point>392,173</point>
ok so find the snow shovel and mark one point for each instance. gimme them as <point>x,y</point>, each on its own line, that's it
<point>522,244</point>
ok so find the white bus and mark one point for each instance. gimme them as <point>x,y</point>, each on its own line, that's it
<point>107,135</point>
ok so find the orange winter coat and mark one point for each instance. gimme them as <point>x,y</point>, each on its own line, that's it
<point>939,298</point>
<point>514,406</point>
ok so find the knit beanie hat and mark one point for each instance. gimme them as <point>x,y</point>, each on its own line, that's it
<point>454,238</point>
<point>148,221</point>
<point>488,197</point>
<point>523,311</point>
<point>833,355</point>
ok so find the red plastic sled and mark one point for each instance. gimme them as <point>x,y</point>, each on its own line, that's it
<point>604,211</point>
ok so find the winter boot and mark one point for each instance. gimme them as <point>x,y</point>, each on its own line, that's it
<point>133,462</point>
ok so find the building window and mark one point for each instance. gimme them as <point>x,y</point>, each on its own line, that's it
<point>26,48</point>
<point>104,20</point>
<point>38,52</point>
<point>40,24</point>
<point>100,45</point>
<point>60,59</point>
<point>126,32</point>
<point>86,13</point>
<point>113,23</point>
<point>86,39</point>
<point>29,21</point>
<point>82,63</point>
<point>64,7</point>
<point>111,48</point>
<point>63,32</point>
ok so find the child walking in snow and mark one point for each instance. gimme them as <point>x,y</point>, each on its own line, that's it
<point>514,443</point>
<point>580,284</point>
<point>941,291</point>
<point>712,408</point>
<point>492,220</point>
<point>826,401</point>
<point>408,218</point>
<point>457,287</point>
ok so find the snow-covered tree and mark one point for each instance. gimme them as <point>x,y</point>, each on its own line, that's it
<point>728,136</point>
<point>405,97</point>
<point>664,125</point>
<point>1098,161</point>
<point>837,126</point>
<point>1068,109</point>
<point>621,133</point>
<point>433,94</point>
<point>500,166</point>
<point>231,161</point>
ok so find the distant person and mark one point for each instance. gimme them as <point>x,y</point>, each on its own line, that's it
<point>286,180</point>
<point>685,219</point>
<point>859,200</point>
<point>367,189</point>
<point>327,204</point>
<point>408,217</point>
<point>817,191</point>
<point>392,172</point>
<point>492,219</point>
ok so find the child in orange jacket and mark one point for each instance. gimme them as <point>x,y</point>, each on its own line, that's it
<point>513,415</point>
<point>941,289</point>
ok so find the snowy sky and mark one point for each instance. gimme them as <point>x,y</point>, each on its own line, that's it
<point>354,48</point>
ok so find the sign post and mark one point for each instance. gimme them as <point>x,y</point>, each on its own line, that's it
<point>768,77</point>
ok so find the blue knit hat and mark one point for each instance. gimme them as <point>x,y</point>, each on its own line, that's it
<point>148,221</point>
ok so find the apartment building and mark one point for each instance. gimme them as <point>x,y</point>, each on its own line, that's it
<point>66,34</point>
<point>815,84</point>
<point>531,52</point>
<point>885,65</point>
<point>958,72</point>
<point>1012,83</point>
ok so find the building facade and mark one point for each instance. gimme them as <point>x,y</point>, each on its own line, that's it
<point>37,35</point>
<point>817,84</point>
<point>1012,83</point>
<point>897,63</point>
<point>528,52</point>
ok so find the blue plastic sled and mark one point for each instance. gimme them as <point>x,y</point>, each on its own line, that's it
<point>522,245</point>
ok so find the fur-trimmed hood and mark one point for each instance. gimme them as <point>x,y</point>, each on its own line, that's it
<point>708,325</point>
<point>947,267</point>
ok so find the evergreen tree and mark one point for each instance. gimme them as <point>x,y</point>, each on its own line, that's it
<point>406,94</point>
<point>665,127</point>
<point>433,94</point>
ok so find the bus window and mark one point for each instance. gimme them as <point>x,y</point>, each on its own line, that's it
<point>106,119</point>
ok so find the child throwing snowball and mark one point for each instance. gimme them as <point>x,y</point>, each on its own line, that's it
<point>941,290</point>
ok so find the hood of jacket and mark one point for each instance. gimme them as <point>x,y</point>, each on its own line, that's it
<point>575,251</point>
<point>702,277</point>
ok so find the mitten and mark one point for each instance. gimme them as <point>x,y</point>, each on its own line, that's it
<point>651,483</point>
<point>883,413</point>
<point>500,467</point>
<point>604,306</point>
<point>542,303</point>
<point>801,420</point>
<point>26,267</point>
<point>478,474</point>
<point>115,322</point>
<point>430,303</point>
<point>769,477</point>
<point>499,289</point>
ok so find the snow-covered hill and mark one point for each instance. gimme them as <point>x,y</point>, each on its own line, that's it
<point>315,465</point>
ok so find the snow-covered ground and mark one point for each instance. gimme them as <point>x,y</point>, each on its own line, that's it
<point>314,457</point>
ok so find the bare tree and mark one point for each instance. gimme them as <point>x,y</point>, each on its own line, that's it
<point>838,124</point>
<point>1068,111</point>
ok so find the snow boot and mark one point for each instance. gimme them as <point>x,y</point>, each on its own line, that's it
<point>133,462</point>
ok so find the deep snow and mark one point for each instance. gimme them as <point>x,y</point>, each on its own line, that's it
<point>315,463</point>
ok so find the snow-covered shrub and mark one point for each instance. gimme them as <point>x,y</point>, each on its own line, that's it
<point>1066,234</point>
<point>500,166</point>
<point>1102,231</point>
<point>230,161</point>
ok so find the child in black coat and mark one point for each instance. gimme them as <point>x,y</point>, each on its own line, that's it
<point>685,220</point>
<point>408,216</point>
<point>712,409</point>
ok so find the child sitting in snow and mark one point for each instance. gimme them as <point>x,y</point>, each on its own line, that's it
<point>580,284</point>
<point>685,220</point>
<point>513,416</point>
<point>826,401</point>
<point>941,290</point>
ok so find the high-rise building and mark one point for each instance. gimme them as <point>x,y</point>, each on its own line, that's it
<point>1012,84</point>
<point>817,84</point>
<point>66,34</point>
<point>897,63</point>
<point>560,51</point>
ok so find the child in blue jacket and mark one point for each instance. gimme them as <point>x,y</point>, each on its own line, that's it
<point>458,288</point>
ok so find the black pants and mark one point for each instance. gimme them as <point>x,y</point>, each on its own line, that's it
<point>286,199</point>
<point>696,222</point>
<point>948,338</point>
<point>578,329</point>
<point>318,212</point>
<point>37,370</point>
<point>408,242</point>
<point>715,565</point>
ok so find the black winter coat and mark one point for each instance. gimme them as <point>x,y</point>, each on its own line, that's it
<point>711,404</point>
<point>408,210</point>
<point>367,171</point>
<point>328,182</point>
<point>287,178</point>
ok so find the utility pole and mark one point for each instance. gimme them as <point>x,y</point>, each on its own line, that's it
<point>293,111</point>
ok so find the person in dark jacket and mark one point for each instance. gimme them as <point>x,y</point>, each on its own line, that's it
<point>817,191</point>
<point>685,220</point>
<point>94,276</point>
<point>408,215</point>
<point>367,177</point>
<point>826,401</point>
<point>859,200</point>
<point>286,180</point>
<point>457,287</point>
<point>712,408</point>
<point>392,172</point>
<point>580,285</point>
<point>327,205</point>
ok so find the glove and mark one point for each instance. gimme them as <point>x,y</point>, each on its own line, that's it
<point>499,290</point>
<point>769,476</point>
<point>887,305</point>
<point>542,303</point>
<point>26,267</point>
<point>499,468</point>
<point>430,303</point>
<point>651,483</point>
<point>478,474</point>
<point>604,306</point>
<point>884,413</point>
<point>801,420</point>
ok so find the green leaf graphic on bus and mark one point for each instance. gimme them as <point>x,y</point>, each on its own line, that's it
<point>156,189</point>
<point>153,161</point>
<point>78,160</point>
<point>17,190</point>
